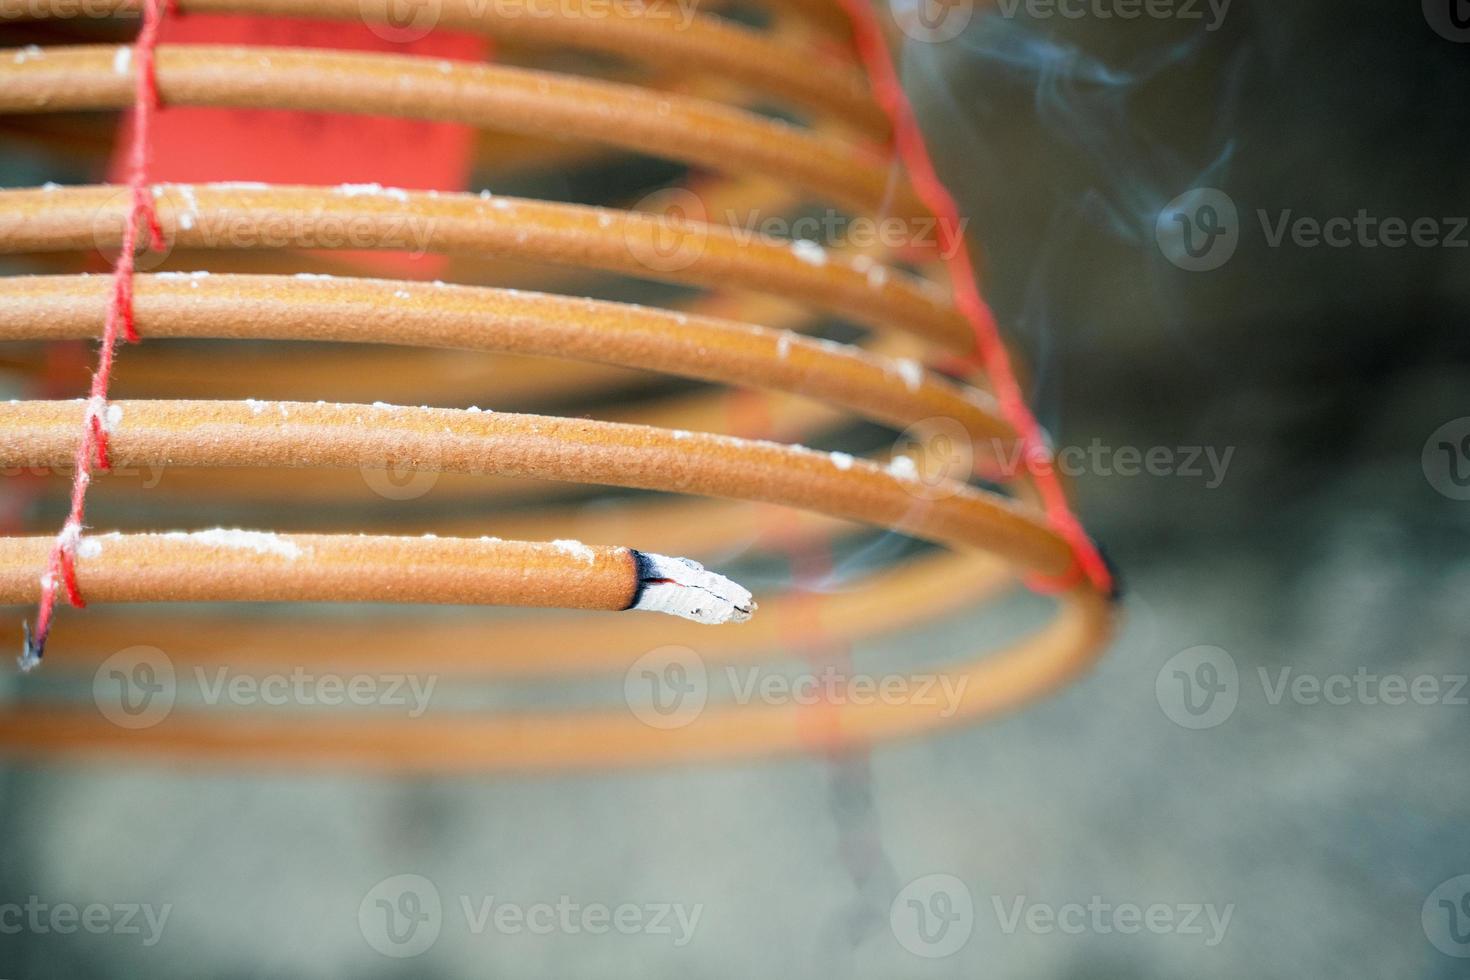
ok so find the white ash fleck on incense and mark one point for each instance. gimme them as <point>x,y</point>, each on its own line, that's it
<point>910,370</point>
<point>903,467</point>
<point>371,190</point>
<point>809,252</point>
<point>576,549</point>
<point>260,542</point>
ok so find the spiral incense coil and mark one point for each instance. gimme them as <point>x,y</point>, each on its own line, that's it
<point>697,405</point>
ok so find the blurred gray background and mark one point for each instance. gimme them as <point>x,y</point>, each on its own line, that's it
<point>1333,545</point>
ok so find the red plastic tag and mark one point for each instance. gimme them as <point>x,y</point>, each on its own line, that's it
<point>197,145</point>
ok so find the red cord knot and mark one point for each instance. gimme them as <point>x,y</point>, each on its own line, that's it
<point>1056,584</point>
<point>122,295</point>
<point>100,419</point>
<point>68,562</point>
<point>146,207</point>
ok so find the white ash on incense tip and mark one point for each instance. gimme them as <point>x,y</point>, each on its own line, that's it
<point>682,587</point>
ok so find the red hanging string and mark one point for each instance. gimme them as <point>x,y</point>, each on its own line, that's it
<point>94,450</point>
<point>1036,453</point>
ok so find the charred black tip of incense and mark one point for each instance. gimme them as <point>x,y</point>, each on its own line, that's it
<point>646,572</point>
<point>34,649</point>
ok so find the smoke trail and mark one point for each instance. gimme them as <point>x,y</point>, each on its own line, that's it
<point>1087,105</point>
<point>1078,132</point>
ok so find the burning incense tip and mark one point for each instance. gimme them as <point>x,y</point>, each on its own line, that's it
<point>31,652</point>
<point>681,587</point>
